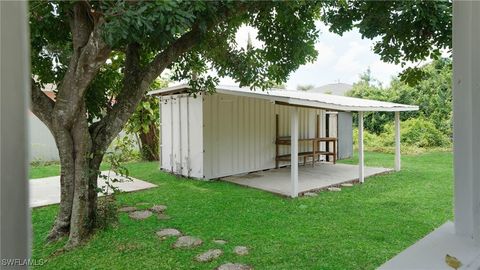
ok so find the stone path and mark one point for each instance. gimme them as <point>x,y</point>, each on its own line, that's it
<point>140,215</point>
<point>127,209</point>
<point>168,233</point>
<point>158,208</point>
<point>240,250</point>
<point>219,241</point>
<point>234,266</point>
<point>209,255</point>
<point>187,242</point>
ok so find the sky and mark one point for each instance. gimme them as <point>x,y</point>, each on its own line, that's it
<point>340,59</point>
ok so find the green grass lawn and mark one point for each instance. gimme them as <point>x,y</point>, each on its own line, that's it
<point>358,228</point>
<point>40,171</point>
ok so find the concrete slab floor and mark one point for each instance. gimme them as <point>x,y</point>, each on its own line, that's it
<point>310,178</point>
<point>46,191</point>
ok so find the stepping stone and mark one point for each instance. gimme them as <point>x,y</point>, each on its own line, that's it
<point>334,189</point>
<point>187,242</point>
<point>234,266</point>
<point>127,209</point>
<point>209,255</point>
<point>310,194</point>
<point>139,215</point>
<point>169,232</point>
<point>240,250</point>
<point>219,241</point>
<point>162,216</point>
<point>158,208</point>
<point>347,185</point>
<point>142,203</point>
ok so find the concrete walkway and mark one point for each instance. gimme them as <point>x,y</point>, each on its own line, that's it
<point>46,191</point>
<point>310,178</point>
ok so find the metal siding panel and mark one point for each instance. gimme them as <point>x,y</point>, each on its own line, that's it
<point>176,163</point>
<point>244,137</point>
<point>195,138</point>
<point>183,137</point>
<point>207,136</point>
<point>225,137</point>
<point>166,134</point>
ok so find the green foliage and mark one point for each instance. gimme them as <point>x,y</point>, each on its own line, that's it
<point>147,112</point>
<point>305,87</point>
<point>107,214</point>
<point>123,150</point>
<point>418,132</point>
<point>155,25</point>
<point>433,95</point>
<point>416,135</point>
<point>404,31</point>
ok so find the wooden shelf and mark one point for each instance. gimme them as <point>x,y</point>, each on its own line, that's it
<point>315,153</point>
<point>304,154</point>
<point>287,140</point>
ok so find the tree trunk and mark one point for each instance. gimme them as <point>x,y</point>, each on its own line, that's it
<point>149,143</point>
<point>79,171</point>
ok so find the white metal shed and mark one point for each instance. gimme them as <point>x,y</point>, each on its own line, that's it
<point>234,130</point>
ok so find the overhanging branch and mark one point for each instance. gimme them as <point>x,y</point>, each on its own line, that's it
<point>132,93</point>
<point>41,104</point>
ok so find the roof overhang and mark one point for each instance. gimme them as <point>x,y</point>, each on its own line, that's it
<point>300,98</point>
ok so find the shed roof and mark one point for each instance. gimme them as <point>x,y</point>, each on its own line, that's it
<point>300,98</point>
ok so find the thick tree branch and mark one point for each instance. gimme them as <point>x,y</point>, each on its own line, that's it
<point>90,53</point>
<point>131,94</point>
<point>42,105</point>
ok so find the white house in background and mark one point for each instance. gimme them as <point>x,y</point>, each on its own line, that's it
<point>343,119</point>
<point>338,89</point>
<point>238,131</point>
<point>42,143</point>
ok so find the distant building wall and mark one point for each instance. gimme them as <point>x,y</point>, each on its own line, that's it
<point>42,144</point>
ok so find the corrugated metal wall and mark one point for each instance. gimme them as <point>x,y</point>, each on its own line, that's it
<point>181,135</point>
<point>219,135</point>
<point>239,133</point>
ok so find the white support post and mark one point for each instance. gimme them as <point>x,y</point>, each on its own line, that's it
<point>294,150</point>
<point>397,142</point>
<point>466,115</point>
<point>361,161</point>
<point>15,86</point>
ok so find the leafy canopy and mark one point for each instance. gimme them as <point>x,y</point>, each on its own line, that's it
<point>432,93</point>
<point>403,31</point>
<point>287,30</point>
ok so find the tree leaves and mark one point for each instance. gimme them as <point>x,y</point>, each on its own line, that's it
<point>404,31</point>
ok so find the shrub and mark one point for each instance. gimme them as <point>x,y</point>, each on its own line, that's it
<point>415,134</point>
<point>106,212</point>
